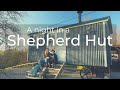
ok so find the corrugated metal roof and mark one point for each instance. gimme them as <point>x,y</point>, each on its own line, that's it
<point>86,23</point>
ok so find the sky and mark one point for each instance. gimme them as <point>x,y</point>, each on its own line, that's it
<point>54,17</point>
<point>71,17</point>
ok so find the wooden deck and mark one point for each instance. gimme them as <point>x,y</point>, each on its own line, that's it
<point>53,73</point>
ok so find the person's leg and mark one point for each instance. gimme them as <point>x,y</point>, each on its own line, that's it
<point>54,63</point>
<point>47,60</point>
<point>35,70</point>
<point>49,63</point>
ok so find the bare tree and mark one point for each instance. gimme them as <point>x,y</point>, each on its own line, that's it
<point>8,24</point>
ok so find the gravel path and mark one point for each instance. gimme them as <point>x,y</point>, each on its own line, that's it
<point>68,73</point>
<point>18,73</point>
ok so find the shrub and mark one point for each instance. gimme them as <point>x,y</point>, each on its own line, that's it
<point>12,57</point>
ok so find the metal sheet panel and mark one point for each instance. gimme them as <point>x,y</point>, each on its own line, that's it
<point>82,55</point>
<point>90,55</point>
<point>61,50</point>
<point>35,54</point>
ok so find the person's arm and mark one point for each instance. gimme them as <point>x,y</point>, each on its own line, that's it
<point>41,68</point>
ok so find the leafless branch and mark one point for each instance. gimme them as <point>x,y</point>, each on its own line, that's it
<point>7,24</point>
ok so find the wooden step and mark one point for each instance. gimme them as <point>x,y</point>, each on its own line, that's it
<point>32,77</point>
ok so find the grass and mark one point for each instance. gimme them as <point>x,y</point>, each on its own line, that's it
<point>12,57</point>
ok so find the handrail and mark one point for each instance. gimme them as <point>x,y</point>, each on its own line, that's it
<point>60,71</point>
<point>13,67</point>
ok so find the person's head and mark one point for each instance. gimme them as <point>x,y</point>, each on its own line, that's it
<point>47,50</point>
<point>53,51</point>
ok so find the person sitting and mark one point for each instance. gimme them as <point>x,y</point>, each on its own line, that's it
<point>38,67</point>
<point>53,58</point>
<point>47,55</point>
